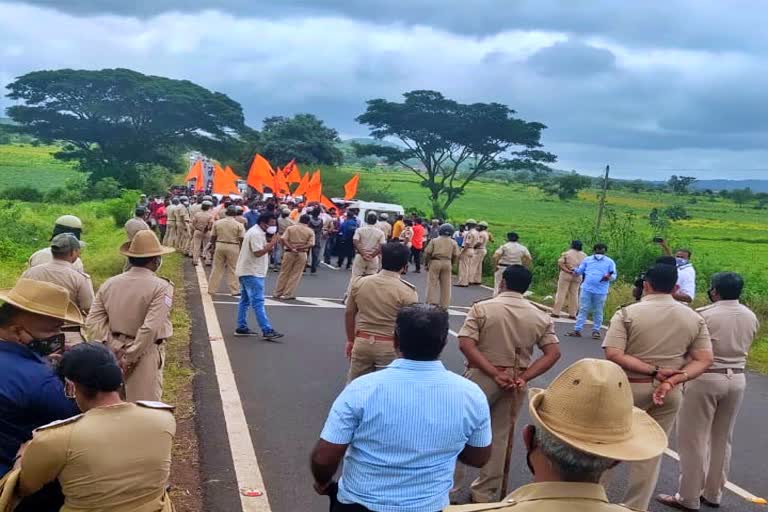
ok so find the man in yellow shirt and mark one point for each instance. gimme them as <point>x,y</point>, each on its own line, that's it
<point>397,227</point>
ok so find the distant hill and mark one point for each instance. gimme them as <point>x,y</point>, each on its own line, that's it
<point>7,120</point>
<point>755,185</point>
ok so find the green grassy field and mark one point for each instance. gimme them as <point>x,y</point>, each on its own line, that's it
<point>26,165</point>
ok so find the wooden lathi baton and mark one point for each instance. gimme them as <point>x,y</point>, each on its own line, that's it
<point>511,434</point>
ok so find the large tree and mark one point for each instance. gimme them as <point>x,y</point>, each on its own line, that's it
<point>680,184</point>
<point>303,137</point>
<point>449,144</point>
<point>114,120</point>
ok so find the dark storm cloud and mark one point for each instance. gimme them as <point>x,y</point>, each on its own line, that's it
<point>572,59</point>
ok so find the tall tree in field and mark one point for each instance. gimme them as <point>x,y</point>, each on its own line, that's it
<point>115,120</point>
<point>680,184</point>
<point>303,138</point>
<point>454,143</point>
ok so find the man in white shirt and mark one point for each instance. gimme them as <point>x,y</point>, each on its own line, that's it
<point>252,267</point>
<point>686,274</point>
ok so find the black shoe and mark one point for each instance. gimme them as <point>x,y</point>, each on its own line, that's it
<point>245,332</point>
<point>272,335</point>
<point>710,504</point>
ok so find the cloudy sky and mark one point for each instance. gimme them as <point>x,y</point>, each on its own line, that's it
<point>652,88</point>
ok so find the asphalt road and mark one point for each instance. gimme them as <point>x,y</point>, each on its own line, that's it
<point>287,387</point>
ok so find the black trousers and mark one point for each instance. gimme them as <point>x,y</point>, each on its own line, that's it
<point>416,257</point>
<point>336,506</point>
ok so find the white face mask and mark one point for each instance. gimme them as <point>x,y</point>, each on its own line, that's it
<point>271,230</point>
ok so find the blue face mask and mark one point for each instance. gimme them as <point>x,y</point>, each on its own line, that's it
<point>681,262</point>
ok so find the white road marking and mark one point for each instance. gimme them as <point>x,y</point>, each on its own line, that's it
<point>329,266</point>
<point>244,460</point>
<point>317,302</point>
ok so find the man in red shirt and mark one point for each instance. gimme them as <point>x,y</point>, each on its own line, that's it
<point>162,218</point>
<point>417,243</point>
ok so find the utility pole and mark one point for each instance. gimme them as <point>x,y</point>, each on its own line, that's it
<point>602,203</point>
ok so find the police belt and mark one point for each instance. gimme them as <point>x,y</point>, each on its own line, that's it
<point>228,243</point>
<point>440,259</point>
<point>725,370</point>
<point>70,328</point>
<point>376,338</point>
<point>119,334</point>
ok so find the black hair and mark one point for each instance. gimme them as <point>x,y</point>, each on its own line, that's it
<point>394,256</point>
<point>59,229</point>
<point>371,218</point>
<point>512,236</point>
<point>667,260</point>
<point>686,251</point>
<point>206,207</point>
<point>728,285</point>
<point>421,331</point>
<point>399,217</point>
<point>577,245</point>
<point>304,219</point>
<point>316,211</point>
<point>8,313</point>
<point>417,220</point>
<point>141,262</point>
<point>93,367</point>
<point>517,278</point>
<point>267,216</point>
<point>662,277</point>
<point>408,222</point>
<point>599,246</point>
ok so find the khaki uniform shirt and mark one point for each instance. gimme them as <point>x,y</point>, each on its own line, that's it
<point>195,209</point>
<point>506,328</point>
<point>45,256</point>
<point>170,212</point>
<point>512,253</point>
<point>573,259</point>
<point>659,331</point>
<point>442,248</point>
<point>203,221</point>
<point>732,328</point>
<point>228,230</point>
<point>300,235</point>
<point>63,273</point>
<point>376,299</point>
<point>182,215</point>
<point>132,309</point>
<point>482,239</point>
<point>369,237</point>
<point>470,239</point>
<point>114,458</point>
<point>133,226</point>
<point>550,497</point>
<point>406,235</point>
<point>385,228</point>
<point>283,223</point>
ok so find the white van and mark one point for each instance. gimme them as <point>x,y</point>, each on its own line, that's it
<point>392,210</point>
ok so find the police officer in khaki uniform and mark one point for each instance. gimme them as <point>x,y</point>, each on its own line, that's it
<point>583,424</point>
<point>183,227</point>
<point>226,236</point>
<point>64,224</point>
<point>661,344</point>
<point>132,315</point>
<point>202,223</point>
<point>481,249</point>
<point>367,242</point>
<point>467,254</point>
<point>385,226</point>
<point>65,249</point>
<point>711,402</point>
<point>568,283</point>
<point>497,339</point>
<point>372,308</point>
<point>137,223</point>
<point>170,230</point>
<point>439,257</point>
<point>115,456</point>
<point>297,241</point>
<point>511,253</point>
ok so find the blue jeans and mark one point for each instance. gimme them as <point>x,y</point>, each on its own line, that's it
<point>252,294</point>
<point>590,302</point>
<point>277,255</point>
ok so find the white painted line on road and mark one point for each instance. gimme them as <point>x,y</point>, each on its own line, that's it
<point>329,266</point>
<point>244,460</point>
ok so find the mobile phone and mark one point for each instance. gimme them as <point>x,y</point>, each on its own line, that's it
<point>658,239</point>
<point>48,346</point>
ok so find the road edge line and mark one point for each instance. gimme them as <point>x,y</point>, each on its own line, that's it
<point>247,471</point>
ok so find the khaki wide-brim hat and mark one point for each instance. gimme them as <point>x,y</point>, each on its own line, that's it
<point>144,245</point>
<point>42,298</point>
<point>590,407</point>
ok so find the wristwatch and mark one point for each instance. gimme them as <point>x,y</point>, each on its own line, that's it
<point>655,372</point>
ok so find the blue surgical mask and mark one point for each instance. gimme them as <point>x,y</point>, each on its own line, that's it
<point>681,262</point>
<point>598,257</point>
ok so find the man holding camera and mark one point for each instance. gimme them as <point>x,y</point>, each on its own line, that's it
<point>686,274</point>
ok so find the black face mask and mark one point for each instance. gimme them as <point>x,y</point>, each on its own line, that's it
<point>48,346</point>
<point>709,294</point>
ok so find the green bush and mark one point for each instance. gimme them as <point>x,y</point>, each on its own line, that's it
<point>122,208</point>
<point>155,179</point>
<point>106,188</point>
<point>22,193</point>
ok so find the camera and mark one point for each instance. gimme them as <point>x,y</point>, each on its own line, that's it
<point>637,291</point>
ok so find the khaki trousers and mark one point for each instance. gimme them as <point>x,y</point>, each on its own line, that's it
<point>465,267</point>
<point>170,235</point>
<point>439,283</point>
<point>145,380</point>
<point>643,476</point>
<point>497,277</point>
<point>200,241</point>
<point>361,268</point>
<point>704,431</point>
<point>477,266</point>
<point>369,356</point>
<point>183,239</point>
<point>224,261</point>
<point>290,274</point>
<point>505,407</point>
<point>567,293</point>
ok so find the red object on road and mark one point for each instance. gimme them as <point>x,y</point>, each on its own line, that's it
<point>251,493</point>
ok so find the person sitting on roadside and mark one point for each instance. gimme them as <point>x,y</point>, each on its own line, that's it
<point>583,425</point>
<point>401,430</point>
<point>114,457</point>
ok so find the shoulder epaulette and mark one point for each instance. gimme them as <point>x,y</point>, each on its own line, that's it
<point>167,280</point>
<point>59,423</point>
<point>409,285</point>
<point>155,405</point>
<point>704,308</point>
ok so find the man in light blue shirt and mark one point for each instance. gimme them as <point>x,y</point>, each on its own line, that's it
<point>599,271</point>
<point>400,430</point>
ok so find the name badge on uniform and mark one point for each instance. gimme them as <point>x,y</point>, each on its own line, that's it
<point>168,300</point>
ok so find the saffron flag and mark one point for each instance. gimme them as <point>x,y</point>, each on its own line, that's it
<point>327,203</point>
<point>301,190</point>
<point>224,183</point>
<point>315,189</point>
<point>350,187</point>
<point>196,173</point>
<point>292,174</point>
<point>260,174</point>
<point>281,186</point>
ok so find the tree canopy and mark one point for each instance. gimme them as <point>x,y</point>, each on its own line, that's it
<point>453,143</point>
<point>303,137</point>
<point>113,120</point>
<point>680,184</point>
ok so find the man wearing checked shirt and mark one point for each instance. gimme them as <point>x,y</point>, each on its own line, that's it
<point>401,430</point>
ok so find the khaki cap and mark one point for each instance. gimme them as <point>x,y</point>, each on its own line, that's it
<point>42,298</point>
<point>590,407</point>
<point>483,224</point>
<point>471,221</point>
<point>69,221</point>
<point>144,245</point>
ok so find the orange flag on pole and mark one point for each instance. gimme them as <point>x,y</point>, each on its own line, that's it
<point>260,174</point>
<point>224,183</point>
<point>301,190</point>
<point>292,174</point>
<point>281,186</point>
<point>350,188</point>
<point>315,189</point>
<point>327,203</point>
<point>196,173</point>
